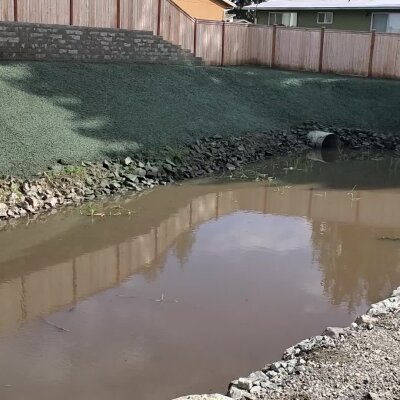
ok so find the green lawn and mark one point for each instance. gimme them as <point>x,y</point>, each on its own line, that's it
<point>87,111</point>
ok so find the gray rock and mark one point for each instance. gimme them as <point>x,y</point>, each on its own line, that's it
<point>169,162</point>
<point>384,307</point>
<point>396,292</point>
<point>140,171</point>
<point>334,332</point>
<point>257,376</point>
<point>106,164</point>
<point>3,210</point>
<point>245,383</point>
<point>114,185</point>
<point>127,161</point>
<point>236,393</point>
<point>365,320</point>
<point>152,172</point>
<point>52,201</point>
<point>32,201</point>
<point>131,178</point>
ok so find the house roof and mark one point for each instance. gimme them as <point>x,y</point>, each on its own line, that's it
<point>229,3</point>
<point>324,5</point>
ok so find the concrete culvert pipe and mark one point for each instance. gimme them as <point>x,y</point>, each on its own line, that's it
<point>326,155</point>
<point>323,140</point>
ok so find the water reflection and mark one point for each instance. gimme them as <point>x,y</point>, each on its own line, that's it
<point>245,270</point>
<point>355,266</point>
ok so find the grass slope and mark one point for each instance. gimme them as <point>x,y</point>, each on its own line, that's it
<point>87,111</point>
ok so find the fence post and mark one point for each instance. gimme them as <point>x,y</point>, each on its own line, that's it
<point>321,49</point>
<point>15,10</point>
<point>371,52</point>
<point>195,38</point>
<point>223,44</point>
<point>273,46</point>
<point>118,14</point>
<point>71,12</point>
<point>159,18</point>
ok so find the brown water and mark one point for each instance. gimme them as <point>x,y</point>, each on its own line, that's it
<point>243,270</point>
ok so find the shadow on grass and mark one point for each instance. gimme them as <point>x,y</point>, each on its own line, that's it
<point>90,111</point>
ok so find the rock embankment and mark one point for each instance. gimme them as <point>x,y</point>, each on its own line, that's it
<point>74,184</point>
<point>358,362</point>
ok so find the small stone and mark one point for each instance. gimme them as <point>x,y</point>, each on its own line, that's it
<point>131,178</point>
<point>230,167</point>
<point>106,164</point>
<point>140,171</point>
<point>114,185</point>
<point>396,292</point>
<point>372,396</point>
<point>127,161</point>
<point>169,162</point>
<point>32,201</point>
<point>366,319</point>
<point>334,332</point>
<point>235,393</point>
<point>3,210</point>
<point>52,201</point>
<point>245,383</point>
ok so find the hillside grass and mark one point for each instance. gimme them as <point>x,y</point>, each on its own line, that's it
<point>80,112</point>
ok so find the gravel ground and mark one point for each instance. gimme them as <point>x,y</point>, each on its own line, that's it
<point>364,365</point>
<point>358,362</point>
<point>81,112</point>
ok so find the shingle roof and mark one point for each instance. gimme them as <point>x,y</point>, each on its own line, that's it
<point>324,4</point>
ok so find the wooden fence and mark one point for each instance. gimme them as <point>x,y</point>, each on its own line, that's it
<point>218,43</point>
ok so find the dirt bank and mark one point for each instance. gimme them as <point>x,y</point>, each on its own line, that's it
<point>81,112</point>
<point>359,362</point>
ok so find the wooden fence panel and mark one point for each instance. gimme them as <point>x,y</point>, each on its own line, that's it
<point>95,13</point>
<point>386,58</point>
<point>44,11</point>
<point>260,45</point>
<point>236,43</point>
<point>6,10</point>
<point>209,42</point>
<point>297,48</point>
<point>346,52</point>
<point>176,26</point>
<point>139,15</point>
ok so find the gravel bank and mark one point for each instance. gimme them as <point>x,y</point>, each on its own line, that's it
<point>358,362</point>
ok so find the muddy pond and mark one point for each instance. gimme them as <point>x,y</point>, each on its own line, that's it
<point>202,283</point>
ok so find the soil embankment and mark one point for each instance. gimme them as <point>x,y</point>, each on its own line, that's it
<point>75,112</point>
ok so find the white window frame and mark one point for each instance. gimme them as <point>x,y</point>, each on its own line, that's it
<point>269,16</point>
<point>281,13</point>
<point>380,13</point>
<point>325,13</point>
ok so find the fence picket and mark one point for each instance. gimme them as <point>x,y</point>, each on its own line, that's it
<point>344,52</point>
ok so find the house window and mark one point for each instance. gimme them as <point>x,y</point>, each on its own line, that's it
<point>325,18</point>
<point>283,18</point>
<point>386,22</point>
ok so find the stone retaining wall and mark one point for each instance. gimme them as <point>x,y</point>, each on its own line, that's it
<point>22,41</point>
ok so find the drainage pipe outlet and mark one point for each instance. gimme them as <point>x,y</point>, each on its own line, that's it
<point>323,140</point>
